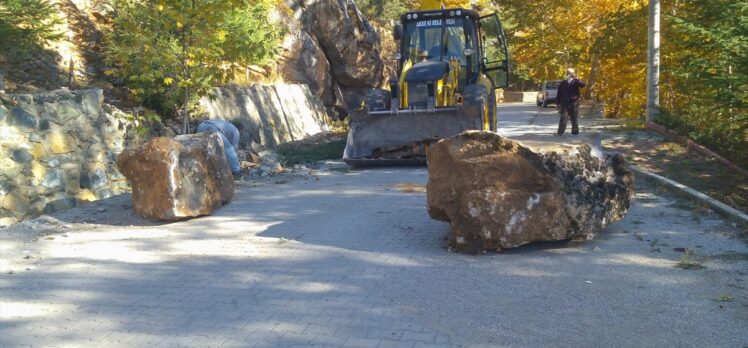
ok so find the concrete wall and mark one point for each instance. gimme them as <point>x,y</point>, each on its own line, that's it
<point>271,114</point>
<point>57,150</point>
<point>520,97</point>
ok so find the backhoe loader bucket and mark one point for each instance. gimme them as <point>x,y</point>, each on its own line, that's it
<point>381,138</point>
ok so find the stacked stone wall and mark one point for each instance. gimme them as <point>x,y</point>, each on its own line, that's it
<point>58,150</point>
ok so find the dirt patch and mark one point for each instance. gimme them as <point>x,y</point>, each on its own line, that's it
<point>652,152</point>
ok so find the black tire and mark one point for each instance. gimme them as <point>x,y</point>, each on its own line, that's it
<point>474,101</point>
<point>539,103</point>
<point>377,100</point>
<point>545,103</point>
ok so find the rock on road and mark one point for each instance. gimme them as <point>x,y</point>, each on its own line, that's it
<point>351,258</point>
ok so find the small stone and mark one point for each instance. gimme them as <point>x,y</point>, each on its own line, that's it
<point>22,118</point>
<point>72,186</point>
<point>22,155</point>
<point>37,150</point>
<point>104,193</point>
<point>44,124</point>
<point>85,196</point>
<point>16,204</point>
<point>58,202</point>
<point>38,171</point>
<point>4,188</point>
<point>59,143</point>
<point>67,111</point>
<point>52,180</point>
<point>10,168</point>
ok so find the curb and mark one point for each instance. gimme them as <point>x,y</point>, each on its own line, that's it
<point>722,208</point>
<point>690,144</point>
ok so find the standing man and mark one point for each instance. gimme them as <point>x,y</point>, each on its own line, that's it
<point>230,135</point>
<point>567,100</point>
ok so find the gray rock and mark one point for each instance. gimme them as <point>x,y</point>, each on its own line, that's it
<point>93,180</point>
<point>91,101</point>
<point>53,179</point>
<point>23,118</point>
<point>54,163</point>
<point>5,188</point>
<point>66,111</point>
<point>44,124</point>
<point>104,193</point>
<point>59,205</point>
<point>21,156</point>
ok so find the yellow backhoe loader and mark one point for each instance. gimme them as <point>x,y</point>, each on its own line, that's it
<point>451,61</point>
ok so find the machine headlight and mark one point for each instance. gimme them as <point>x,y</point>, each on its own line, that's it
<point>459,12</point>
<point>415,16</point>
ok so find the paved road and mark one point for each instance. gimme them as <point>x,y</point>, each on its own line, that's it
<point>347,258</point>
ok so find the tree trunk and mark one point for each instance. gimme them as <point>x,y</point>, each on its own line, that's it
<point>186,111</point>
<point>653,57</point>
<point>589,92</point>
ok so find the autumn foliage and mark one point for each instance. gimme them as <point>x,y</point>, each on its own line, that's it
<point>704,81</point>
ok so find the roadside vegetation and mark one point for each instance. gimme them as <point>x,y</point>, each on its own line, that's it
<point>171,52</point>
<point>704,82</point>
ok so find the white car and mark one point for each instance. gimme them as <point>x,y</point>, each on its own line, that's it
<point>547,93</point>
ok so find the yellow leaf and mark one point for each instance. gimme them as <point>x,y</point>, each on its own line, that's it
<point>168,81</point>
<point>179,25</point>
<point>161,8</point>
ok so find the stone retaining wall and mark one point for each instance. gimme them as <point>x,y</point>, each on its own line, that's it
<point>57,150</point>
<point>271,114</point>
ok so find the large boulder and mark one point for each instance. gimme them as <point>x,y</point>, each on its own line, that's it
<point>303,61</point>
<point>174,179</point>
<point>331,47</point>
<point>499,193</point>
<point>348,40</point>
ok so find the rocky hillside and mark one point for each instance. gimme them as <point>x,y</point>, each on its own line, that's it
<point>329,45</point>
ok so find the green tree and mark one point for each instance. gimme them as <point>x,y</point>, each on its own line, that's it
<point>176,50</point>
<point>705,74</point>
<point>25,26</point>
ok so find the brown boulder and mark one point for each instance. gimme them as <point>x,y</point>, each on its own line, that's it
<point>499,193</point>
<point>174,179</point>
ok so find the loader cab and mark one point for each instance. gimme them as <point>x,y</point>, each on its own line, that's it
<point>454,35</point>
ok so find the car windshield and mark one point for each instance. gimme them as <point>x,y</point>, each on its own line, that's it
<point>423,40</point>
<point>552,85</point>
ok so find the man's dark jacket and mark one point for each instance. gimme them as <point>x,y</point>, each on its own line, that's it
<point>569,92</point>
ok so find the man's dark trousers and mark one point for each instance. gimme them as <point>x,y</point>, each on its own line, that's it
<point>569,110</point>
